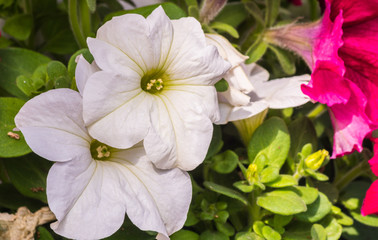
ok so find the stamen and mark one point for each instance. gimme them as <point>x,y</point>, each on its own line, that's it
<point>102,151</point>
<point>155,85</point>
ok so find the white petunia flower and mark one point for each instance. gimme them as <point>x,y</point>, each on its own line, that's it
<point>91,186</point>
<point>277,94</point>
<point>155,83</point>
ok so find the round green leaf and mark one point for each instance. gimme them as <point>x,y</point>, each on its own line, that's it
<point>272,139</point>
<point>225,191</point>
<point>332,228</point>
<point>184,235</point>
<point>11,146</point>
<point>211,235</point>
<point>225,162</point>
<point>318,232</point>
<point>317,210</point>
<point>270,234</point>
<point>370,220</point>
<point>282,201</point>
<point>308,194</point>
<point>19,26</point>
<point>269,174</point>
<point>283,180</point>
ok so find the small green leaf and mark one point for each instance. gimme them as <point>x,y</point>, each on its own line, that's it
<point>233,14</point>
<point>258,227</point>
<point>282,201</point>
<point>247,236</point>
<point>28,174</point>
<point>272,139</point>
<point>19,26</point>
<point>285,59</point>
<point>332,228</point>
<point>221,85</point>
<point>281,221</point>
<point>225,228</point>
<point>308,194</point>
<point>71,67</point>
<point>317,210</point>
<point>57,73</point>
<point>15,62</point>
<point>225,28</point>
<point>269,174</point>
<point>184,235</point>
<point>271,12</point>
<point>191,219</point>
<point>211,235</point>
<point>354,195</point>
<point>91,5</point>
<point>243,186</point>
<point>270,234</point>
<point>12,143</point>
<point>255,11</point>
<point>318,232</point>
<point>256,51</point>
<point>44,234</point>
<point>283,180</point>
<point>225,162</point>
<point>225,191</point>
<point>370,220</point>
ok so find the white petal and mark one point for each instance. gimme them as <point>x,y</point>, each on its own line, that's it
<point>83,71</point>
<point>256,73</point>
<point>183,126</point>
<point>116,113</point>
<point>235,97</point>
<point>284,92</point>
<point>238,78</point>
<point>230,113</point>
<point>191,60</point>
<point>53,126</point>
<point>91,202</point>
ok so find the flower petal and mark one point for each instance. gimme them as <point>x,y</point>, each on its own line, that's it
<point>370,205</point>
<point>354,11</point>
<point>283,92</point>
<point>183,125</point>
<point>91,202</point>
<point>53,126</point>
<point>83,71</point>
<point>117,113</point>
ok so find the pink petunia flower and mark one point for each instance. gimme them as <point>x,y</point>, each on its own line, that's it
<point>342,53</point>
<point>370,205</point>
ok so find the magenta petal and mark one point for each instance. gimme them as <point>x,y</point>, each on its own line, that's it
<point>350,123</point>
<point>370,204</point>
<point>327,86</point>
<point>354,11</point>
<point>374,161</point>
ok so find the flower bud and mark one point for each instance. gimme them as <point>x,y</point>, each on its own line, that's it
<point>251,174</point>
<point>210,9</point>
<point>315,160</point>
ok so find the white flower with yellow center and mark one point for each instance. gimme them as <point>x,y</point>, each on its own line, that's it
<point>92,185</point>
<point>155,83</point>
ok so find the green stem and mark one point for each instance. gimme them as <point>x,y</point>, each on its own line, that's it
<point>85,18</point>
<point>74,22</point>
<point>341,182</point>
<point>317,111</point>
<point>253,208</point>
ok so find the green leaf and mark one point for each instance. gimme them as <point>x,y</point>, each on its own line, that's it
<point>258,227</point>
<point>225,28</point>
<point>191,219</point>
<point>216,142</point>
<point>225,162</point>
<point>129,231</point>
<point>221,85</point>
<point>233,14</point>
<point>15,62</point>
<point>354,194</point>
<point>281,221</point>
<point>317,210</point>
<point>308,194</point>
<point>57,73</point>
<point>255,11</point>
<point>247,236</point>
<point>243,186</point>
<point>282,201</point>
<point>28,174</point>
<point>184,235</point>
<point>283,180</point>
<point>297,231</point>
<point>272,139</point>
<point>225,228</point>
<point>91,5</point>
<point>272,9</point>
<point>269,174</point>
<point>270,234</point>
<point>12,199</point>
<point>44,234</point>
<point>370,220</point>
<point>225,191</point>
<point>256,51</point>
<point>285,59</point>
<point>332,228</point>
<point>302,132</point>
<point>172,10</point>
<point>318,232</point>
<point>211,235</point>
<point>11,147</point>
<point>19,26</point>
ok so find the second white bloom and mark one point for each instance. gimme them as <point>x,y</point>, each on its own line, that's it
<point>155,83</point>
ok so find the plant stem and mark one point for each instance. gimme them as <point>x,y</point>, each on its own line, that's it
<point>341,182</point>
<point>74,22</point>
<point>253,208</point>
<point>317,111</point>
<point>85,18</point>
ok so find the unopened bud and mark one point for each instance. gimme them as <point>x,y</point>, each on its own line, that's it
<point>251,173</point>
<point>210,9</point>
<point>315,160</point>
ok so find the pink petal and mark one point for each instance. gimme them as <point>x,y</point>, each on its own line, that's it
<point>370,205</point>
<point>374,161</point>
<point>354,11</point>
<point>350,123</point>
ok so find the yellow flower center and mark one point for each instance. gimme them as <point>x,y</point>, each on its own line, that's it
<point>100,151</point>
<point>153,82</point>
